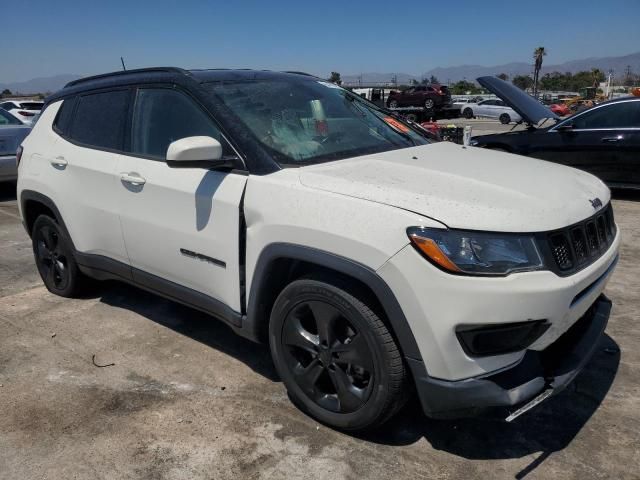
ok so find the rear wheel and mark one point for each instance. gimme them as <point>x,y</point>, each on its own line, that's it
<point>504,118</point>
<point>393,104</point>
<point>54,258</point>
<point>429,103</point>
<point>336,357</point>
<point>467,113</point>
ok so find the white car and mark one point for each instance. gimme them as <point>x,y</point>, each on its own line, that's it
<point>23,110</point>
<point>12,133</point>
<point>370,260</point>
<point>492,108</point>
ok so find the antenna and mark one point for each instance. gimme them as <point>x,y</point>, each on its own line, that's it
<point>122,60</point>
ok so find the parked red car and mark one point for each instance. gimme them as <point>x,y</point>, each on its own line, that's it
<point>431,97</point>
<point>560,109</point>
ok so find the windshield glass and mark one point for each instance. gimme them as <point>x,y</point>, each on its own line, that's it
<point>304,122</point>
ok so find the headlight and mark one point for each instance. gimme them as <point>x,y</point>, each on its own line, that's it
<point>477,253</point>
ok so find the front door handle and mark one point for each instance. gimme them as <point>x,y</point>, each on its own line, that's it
<point>612,139</point>
<point>132,179</point>
<point>59,162</point>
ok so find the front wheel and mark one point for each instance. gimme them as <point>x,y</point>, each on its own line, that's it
<point>468,113</point>
<point>505,118</point>
<point>429,103</point>
<point>393,104</point>
<point>336,357</point>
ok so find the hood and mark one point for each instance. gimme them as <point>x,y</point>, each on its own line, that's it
<point>528,107</point>
<point>466,187</point>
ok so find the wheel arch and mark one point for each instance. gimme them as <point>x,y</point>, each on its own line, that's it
<point>281,263</point>
<point>34,204</point>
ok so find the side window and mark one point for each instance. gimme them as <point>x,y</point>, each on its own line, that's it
<point>100,118</point>
<point>615,115</point>
<point>62,123</point>
<point>162,116</point>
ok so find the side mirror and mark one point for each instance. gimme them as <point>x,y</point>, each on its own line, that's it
<point>565,127</point>
<point>193,152</point>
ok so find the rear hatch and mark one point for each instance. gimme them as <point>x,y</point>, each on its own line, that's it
<point>11,138</point>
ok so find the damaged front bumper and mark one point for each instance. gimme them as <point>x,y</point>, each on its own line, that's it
<point>539,375</point>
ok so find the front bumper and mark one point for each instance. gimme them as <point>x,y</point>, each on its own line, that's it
<point>552,368</point>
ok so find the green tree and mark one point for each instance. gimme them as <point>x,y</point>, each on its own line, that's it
<point>522,81</point>
<point>433,79</point>
<point>538,54</point>
<point>6,92</point>
<point>413,82</point>
<point>503,76</point>
<point>335,78</point>
<point>464,88</point>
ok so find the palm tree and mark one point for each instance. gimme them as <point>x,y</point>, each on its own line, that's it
<point>538,53</point>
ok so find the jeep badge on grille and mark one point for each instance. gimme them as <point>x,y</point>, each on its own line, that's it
<point>596,203</point>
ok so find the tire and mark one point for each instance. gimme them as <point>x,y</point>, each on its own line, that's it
<point>393,104</point>
<point>429,104</point>
<point>336,357</point>
<point>54,258</point>
<point>467,113</point>
<point>504,118</point>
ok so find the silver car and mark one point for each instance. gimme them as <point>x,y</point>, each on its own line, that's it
<point>12,132</point>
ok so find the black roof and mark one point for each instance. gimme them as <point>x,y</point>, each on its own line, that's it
<point>168,74</point>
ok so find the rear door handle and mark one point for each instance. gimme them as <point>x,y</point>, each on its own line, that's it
<point>133,179</point>
<point>612,139</point>
<point>59,162</point>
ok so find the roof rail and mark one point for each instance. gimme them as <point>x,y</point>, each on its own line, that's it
<point>300,73</point>
<point>127,72</point>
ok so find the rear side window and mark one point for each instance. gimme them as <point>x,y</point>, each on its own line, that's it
<point>31,105</point>
<point>100,118</point>
<point>62,123</point>
<point>162,116</point>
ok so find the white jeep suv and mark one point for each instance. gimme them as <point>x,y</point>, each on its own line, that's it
<point>371,260</point>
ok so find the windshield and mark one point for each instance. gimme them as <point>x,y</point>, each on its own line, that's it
<point>304,122</point>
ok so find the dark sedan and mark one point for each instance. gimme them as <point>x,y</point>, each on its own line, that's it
<point>603,140</point>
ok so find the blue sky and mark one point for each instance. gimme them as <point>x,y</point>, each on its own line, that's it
<point>50,37</point>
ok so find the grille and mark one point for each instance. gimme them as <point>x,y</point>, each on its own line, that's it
<point>580,245</point>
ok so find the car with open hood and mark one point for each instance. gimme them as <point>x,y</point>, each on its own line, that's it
<point>603,140</point>
<point>373,262</point>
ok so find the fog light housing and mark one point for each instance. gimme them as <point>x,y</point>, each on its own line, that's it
<point>499,339</point>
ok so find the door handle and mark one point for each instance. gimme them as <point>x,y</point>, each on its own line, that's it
<point>59,162</point>
<point>132,179</point>
<point>612,139</point>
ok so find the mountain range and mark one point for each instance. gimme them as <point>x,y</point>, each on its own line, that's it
<point>39,85</point>
<point>471,72</point>
<point>444,74</point>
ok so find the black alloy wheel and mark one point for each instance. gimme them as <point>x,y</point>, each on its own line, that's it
<point>54,258</point>
<point>505,118</point>
<point>393,104</point>
<point>429,103</point>
<point>335,355</point>
<point>328,357</point>
<point>468,113</point>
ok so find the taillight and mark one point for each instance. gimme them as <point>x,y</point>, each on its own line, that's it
<point>26,114</point>
<point>19,154</point>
